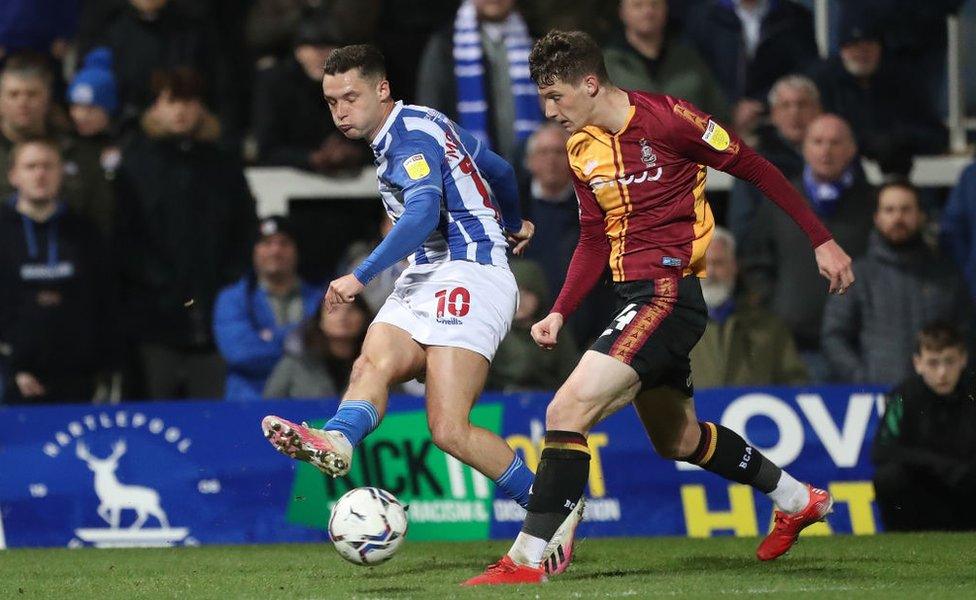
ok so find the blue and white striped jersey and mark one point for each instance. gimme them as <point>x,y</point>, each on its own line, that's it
<point>418,149</point>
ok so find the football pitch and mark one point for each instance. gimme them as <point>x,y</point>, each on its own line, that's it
<point>883,566</point>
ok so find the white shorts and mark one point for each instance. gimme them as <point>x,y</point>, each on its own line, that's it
<point>457,303</point>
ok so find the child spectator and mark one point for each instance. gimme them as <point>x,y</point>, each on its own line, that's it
<point>925,449</point>
<point>93,101</point>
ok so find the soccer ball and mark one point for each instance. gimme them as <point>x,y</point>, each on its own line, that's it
<point>367,525</point>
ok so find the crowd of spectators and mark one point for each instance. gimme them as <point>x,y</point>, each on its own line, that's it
<point>133,264</point>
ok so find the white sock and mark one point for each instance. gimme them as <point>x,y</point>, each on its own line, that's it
<point>528,550</point>
<point>790,495</point>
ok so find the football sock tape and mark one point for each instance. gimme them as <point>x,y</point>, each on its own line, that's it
<point>559,482</point>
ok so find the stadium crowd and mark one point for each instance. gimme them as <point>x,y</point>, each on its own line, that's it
<point>131,244</point>
<point>133,265</point>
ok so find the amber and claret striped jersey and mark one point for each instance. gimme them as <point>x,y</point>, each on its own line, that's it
<point>641,194</point>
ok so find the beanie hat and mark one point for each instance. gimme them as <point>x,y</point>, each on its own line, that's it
<point>94,83</point>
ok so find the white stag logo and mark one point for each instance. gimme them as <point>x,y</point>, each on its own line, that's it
<point>115,496</point>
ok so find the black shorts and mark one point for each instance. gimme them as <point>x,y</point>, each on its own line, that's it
<point>657,324</point>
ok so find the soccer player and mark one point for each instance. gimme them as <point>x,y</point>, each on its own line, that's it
<point>455,302</point>
<point>639,162</point>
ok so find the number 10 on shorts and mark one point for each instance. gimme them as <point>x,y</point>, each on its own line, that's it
<point>456,302</point>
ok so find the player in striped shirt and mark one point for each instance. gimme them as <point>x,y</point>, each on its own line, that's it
<point>455,302</point>
<point>639,163</point>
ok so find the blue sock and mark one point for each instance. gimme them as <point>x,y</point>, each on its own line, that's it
<point>354,419</point>
<point>516,481</point>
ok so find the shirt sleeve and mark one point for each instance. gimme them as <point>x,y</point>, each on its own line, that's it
<point>501,178</point>
<point>416,169</point>
<point>699,137</point>
<point>591,255</point>
<point>420,217</point>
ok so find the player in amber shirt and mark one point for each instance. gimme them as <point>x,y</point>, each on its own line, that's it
<point>639,164</point>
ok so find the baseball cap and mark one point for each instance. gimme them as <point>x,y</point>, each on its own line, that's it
<point>273,225</point>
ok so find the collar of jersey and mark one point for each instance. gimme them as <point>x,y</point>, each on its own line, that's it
<point>378,138</point>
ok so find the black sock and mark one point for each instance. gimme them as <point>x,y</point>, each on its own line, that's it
<point>724,452</point>
<point>559,482</point>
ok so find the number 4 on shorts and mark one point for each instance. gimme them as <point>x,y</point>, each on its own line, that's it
<point>623,319</point>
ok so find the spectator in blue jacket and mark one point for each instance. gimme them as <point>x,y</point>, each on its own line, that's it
<point>958,226</point>
<point>253,317</point>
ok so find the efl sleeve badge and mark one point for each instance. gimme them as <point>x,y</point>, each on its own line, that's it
<point>417,168</point>
<point>716,137</point>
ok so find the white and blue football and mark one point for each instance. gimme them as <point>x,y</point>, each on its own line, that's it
<point>367,525</point>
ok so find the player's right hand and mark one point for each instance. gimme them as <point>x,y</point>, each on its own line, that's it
<point>545,331</point>
<point>342,291</point>
<point>521,238</point>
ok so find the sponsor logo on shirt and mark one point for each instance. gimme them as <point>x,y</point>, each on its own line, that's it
<point>670,261</point>
<point>600,182</point>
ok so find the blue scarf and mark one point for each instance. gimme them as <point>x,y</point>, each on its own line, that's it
<point>469,72</point>
<point>30,233</point>
<point>824,196</point>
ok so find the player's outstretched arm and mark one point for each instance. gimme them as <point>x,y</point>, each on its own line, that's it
<point>420,217</point>
<point>700,138</point>
<point>834,264</point>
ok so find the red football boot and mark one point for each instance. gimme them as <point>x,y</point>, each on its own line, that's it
<point>787,527</point>
<point>508,572</point>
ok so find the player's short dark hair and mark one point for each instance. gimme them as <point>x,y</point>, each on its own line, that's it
<point>182,83</point>
<point>566,56</point>
<point>938,336</point>
<point>20,146</point>
<point>365,57</point>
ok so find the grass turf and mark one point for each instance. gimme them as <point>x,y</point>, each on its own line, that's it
<point>884,566</point>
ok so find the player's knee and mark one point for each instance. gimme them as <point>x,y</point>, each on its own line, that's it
<point>568,412</point>
<point>369,368</point>
<point>448,435</point>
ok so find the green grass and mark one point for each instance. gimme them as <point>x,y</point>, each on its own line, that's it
<point>884,566</point>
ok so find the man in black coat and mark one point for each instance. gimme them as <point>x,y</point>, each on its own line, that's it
<point>779,268</point>
<point>869,333</point>
<point>56,294</point>
<point>185,225</point>
<point>292,122</point>
<point>925,449</point>
<point>892,119</point>
<point>750,44</point>
<point>148,35</point>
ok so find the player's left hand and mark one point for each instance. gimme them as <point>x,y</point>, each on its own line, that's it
<point>342,291</point>
<point>521,238</point>
<point>835,265</point>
